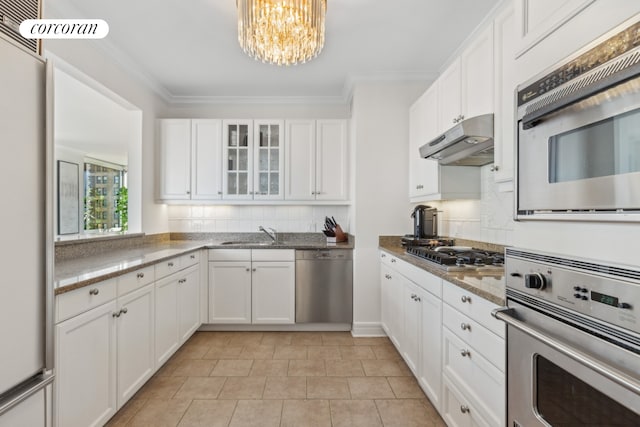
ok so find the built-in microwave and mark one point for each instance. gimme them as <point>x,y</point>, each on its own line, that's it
<point>578,147</point>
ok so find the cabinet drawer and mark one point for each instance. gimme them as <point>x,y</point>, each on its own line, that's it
<point>80,300</point>
<point>165,268</point>
<point>389,259</point>
<point>482,383</point>
<point>229,254</point>
<point>422,278</point>
<point>273,255</point>
<point>477,308</point>
<point>189,259</point>
<point>491,346</point>
<point>135,280</point>
<point>456,409</point>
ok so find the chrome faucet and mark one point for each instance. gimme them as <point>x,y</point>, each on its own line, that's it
<point>270,232</point>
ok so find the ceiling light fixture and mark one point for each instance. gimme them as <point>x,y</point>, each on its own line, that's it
<point>282,32</point>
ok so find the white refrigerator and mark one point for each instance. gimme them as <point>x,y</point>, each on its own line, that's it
<point>26,259</point>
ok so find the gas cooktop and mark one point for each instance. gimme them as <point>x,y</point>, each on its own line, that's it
<point>459,258</point>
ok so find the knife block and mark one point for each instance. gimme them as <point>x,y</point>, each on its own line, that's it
<point>340,236</point>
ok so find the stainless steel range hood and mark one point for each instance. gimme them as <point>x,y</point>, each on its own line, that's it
<point>468,143</point>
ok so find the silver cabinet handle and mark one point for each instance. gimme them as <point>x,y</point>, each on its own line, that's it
<point>414,296</point>
<point>140,275</point>
<point>393,260</point>
<point>461,117</point>
<point>220,192</point>
<point>465,353</point>
<point>124,310</point>
<point>248,269</point>
<point>188,192</point>
<point>495,168</point>
<point>94,291</point>
<point>116,314</point>
<point>465,298</point>
<point>464,409</point>
<point>253,269</point>
<point>465,326</point>
<point>383,255</point>
<point>418,299</point>
<point>193,257</point>
<point>170,264</point>
<point>455,120</point>
<point>387,276</point>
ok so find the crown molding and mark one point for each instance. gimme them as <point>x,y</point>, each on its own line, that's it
<point>260,100</point>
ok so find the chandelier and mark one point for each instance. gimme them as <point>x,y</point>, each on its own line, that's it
<point>282,32</point>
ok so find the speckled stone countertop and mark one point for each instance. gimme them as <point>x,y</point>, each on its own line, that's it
<point>490,286</point>
<point>76,272</point>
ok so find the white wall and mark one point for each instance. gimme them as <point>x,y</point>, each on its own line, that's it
<point>380,134</point>
<point>94,62</point>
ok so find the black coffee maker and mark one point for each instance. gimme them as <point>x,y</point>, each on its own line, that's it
<point>425,222</point>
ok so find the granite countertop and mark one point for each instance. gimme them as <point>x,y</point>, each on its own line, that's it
<point>490,286</point>
<point>82,271</point>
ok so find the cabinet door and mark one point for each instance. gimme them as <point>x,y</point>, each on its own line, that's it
<point>505,84</point>
<point>423,122</point>
<point>86,368</point>
<point>385,300</point>
<point>188,302</point>
<point>229,292</point>
<point>237,178</point>
<point>273,292</point>
<point>476,64</point>
<point>268,162</point>
<point>412,319</point>
<point>136,338</point>
<point>449,96</point>
<point>300,160</point>
<point>394,307</point>
<point>331,160</point>
<point>430,369</point>
<point>166,324</point>
<point>206,159</point>
<point>175,157</point>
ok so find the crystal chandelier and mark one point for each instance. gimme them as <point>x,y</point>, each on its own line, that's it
<point>282,32</point>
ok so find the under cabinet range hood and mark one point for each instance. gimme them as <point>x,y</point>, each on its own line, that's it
<point>468,143</point>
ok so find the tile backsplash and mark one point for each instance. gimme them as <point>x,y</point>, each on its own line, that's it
<point>240,218</point>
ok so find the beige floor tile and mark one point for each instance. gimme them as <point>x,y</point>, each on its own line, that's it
<point>160,388</point>
<point>167,369</point>
<point>191,351</point>
<point>285,388</point>
<point>246,338</point>
<point>276,338</point>
<point>337,338</point>
<point>306,413</point>
<point>257,351</point>
<point>327,388</point>
<point>306,368</point>
<point>224,352</point>
<point>370,388</point>
<point>194,368</point>
<point>126,413</point>
<point>353,352</point>
<point>243,388</point>
<point>354,413</point>
<point>208,413</point>
<point>371,341</point>
<point>326,352</point>
<point>344,368</point>
<point>290,352</point>
<point>201,388</point>
<point>406,388</point>
<point>306,338</point>
<point>384,368</point>
<point>160,413</point>
<point>232,368</point>
<point>269,368</point>
<point>405,413</point>
<point>386,352</point>
<point>257,413</point>
<point>210,338</point>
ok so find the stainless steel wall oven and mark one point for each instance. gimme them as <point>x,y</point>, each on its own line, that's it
<point>573,341</point>
<point>578,149</point>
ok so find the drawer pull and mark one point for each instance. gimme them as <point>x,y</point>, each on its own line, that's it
<point>464,409</point>
<point>170,264</point>
<point>140,275</point>
<point>418,299</point>
<point>124,310</point>
<point>465,326</point>
<point>248,269</point>
<point>414,296</point>
<point>94,291</point>
<point>117,314</point>
<point>387,276</point>
<point>193,257</point>
<point>393,260</point>
<point>254,269</point>
<point>465,298</point>
<point>383,256</point>
<point>465,353</point>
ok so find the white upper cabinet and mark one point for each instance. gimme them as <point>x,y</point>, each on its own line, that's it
<point>268,157</point>
<point>237,156</point>
<point>423,126</point>
<point>190,153</point>
<point>476,63</point>
<point>316,158</point>
<point>449,96</point>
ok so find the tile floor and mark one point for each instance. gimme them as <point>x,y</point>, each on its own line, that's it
<point>291,379</point>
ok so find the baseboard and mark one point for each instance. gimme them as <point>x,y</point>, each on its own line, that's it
<point>367,329</point>
<point>311,327</point>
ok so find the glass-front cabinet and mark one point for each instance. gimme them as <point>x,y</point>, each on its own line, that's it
<point>252,160</point>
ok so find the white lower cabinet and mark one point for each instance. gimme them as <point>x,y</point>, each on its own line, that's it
<point>252,286</point>
<point>392,305</point>
<point>188,303</point>
<point>412,322</point>
<point>86,368</point>
<point>456,411</point>
<point>430,362</point>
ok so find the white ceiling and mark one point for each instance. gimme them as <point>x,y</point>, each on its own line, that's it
<point>189,48</point>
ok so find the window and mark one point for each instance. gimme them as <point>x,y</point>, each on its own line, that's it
<point>105,207</point>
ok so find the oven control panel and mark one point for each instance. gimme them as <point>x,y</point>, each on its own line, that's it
<point>606,292</point>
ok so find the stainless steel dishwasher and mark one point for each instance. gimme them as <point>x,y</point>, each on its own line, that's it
<point>324,286</point>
